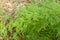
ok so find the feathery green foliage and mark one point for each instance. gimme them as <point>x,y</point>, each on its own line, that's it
<point>39,21</point>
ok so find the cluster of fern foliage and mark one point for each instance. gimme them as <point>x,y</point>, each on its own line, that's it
<point>35,21</point>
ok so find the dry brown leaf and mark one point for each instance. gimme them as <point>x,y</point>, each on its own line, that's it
<point>1,38</point>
